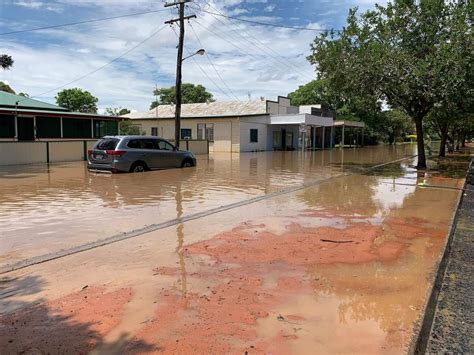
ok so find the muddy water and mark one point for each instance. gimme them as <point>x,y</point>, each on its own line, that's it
<point>44,210</point>
<point>339,267</point>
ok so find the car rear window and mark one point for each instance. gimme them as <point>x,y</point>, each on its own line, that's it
<point>107,143</point>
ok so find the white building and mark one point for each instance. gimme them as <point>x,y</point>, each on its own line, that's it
<point>243,126</point>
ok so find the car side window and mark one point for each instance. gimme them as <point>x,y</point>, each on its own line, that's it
<point>147,144</point>
<point>134,143</point>
<point>163,145</point>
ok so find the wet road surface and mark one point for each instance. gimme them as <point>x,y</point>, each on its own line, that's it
<point>343,265</point>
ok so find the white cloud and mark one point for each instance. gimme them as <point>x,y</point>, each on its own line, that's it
<point>269,8</point>
<point>264,61</point>
<point>238,11</point>
<point>39,5</point>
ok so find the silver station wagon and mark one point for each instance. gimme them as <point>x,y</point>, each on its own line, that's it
<point>136,154</point>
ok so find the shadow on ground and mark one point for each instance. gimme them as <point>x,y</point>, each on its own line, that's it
<point>53,327</point>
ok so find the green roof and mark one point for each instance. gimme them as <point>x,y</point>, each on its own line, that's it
<point>11,100</point>
<point>10,110</point>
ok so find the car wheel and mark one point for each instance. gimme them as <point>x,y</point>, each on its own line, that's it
<point>187,163</point>
<point>138,168</point>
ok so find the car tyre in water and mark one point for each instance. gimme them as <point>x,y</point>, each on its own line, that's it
<point>187,163</point>
<point>138,167</point>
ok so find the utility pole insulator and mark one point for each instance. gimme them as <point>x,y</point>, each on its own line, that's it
<point>178,19</point>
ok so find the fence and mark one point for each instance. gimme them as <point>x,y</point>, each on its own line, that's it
<point>18,153</point>
<point>195,146</point>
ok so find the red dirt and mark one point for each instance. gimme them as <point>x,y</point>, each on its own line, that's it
<point>408,228</point>
<point>299,246</point>
<point>224,319</point>
<point>75,323</point>
<point>164,270</point>
<point>220,321</point>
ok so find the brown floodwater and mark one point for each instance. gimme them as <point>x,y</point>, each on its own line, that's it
<point>343,265</point>
<point>44,210</point>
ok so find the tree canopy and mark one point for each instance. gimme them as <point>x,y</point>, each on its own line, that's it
<point>190,94</point>
<point>317,92</point>
<point>128,128</point>
<point>77,100</point>
<point>387,126</point>
<point>6,61</point>
<point>116,111</point>
<point>411,54</point>
<point>6,88</point>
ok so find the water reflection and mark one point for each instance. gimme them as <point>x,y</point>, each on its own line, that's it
<point>46,209</point>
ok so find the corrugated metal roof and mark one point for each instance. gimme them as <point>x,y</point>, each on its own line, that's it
<point>10,100</point>
<point>212,109</point>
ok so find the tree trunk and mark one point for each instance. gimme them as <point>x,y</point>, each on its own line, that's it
<point>444,138</point>
<point>391,138</point>
<point>420,144</point>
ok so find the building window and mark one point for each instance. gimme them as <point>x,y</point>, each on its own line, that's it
<point>205,131</point>
<point>77,128</point>
<point>104,128</point>
<point>210,132</point>
<point>186,133</point>
<point>254,136</point>
<point>48,127</point>
<point>201,131</point>
<point>7,126</point>
<point>154,131</point>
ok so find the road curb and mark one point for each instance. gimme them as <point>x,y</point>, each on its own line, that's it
<point>423,327</point>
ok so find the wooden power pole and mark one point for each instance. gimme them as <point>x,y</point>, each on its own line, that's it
<point>179,63</point>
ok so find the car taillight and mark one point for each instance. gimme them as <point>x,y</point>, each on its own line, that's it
<point>116,153</point>
<point>89,151</point>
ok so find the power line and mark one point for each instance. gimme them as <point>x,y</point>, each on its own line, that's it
<point>276,55</point>
<point>271,24</point>
<point>106,64</point>
<point>242,50</point>
<point>212,64</point>
<point>283,62</point>
<point>81,22</point>
<point>203,71</point>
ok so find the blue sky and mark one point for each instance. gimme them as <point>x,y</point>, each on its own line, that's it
<point>243,61</point>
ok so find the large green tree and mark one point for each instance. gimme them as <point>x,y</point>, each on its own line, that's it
<point>316,92</point>
<point>77,100</point>
<point>191,94</point>
<point>412,54</point>
<point>6,61</point>
<point>353,107</point>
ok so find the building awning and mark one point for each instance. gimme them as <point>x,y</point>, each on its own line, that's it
<point>349,124</point>
<point>299,119</point>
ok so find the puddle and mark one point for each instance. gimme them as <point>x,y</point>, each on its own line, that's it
<point>340,267</point>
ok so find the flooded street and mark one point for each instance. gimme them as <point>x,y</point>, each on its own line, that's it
<point>259,253</point>
<point>45,210</point>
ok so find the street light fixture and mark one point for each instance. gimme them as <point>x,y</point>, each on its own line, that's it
<point>199,52</point>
